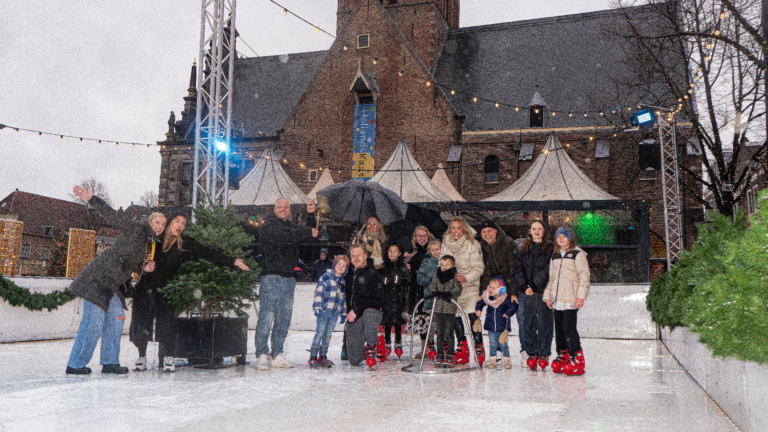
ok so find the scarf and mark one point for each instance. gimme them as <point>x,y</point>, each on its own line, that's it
<point>494,303</point>
<point>445,276</point>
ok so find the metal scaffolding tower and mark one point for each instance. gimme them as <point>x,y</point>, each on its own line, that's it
<point>214,102</point>
<point>669,177</point>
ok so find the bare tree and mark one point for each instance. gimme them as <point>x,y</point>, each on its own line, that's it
<point>148,199</point>
<point>710,57</point>
<point>99,189</point>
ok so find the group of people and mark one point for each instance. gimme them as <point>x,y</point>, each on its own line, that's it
<point>379,283</point>
<point>376,283</point>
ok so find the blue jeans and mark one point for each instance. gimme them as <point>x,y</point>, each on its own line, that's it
<point>325,324</point>
<point>275,307</point>
<point>97,324</point>
<point>493,341</point>
<point>520,318</point>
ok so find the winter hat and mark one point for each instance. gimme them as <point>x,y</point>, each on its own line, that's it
<point>489,224</point>
<point>566,232</point>
<point>325,251</point>
<point>503,287</point>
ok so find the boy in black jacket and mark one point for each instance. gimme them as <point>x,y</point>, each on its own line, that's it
<point>364,299</point>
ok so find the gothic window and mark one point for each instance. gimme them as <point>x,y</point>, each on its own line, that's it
<point>491,169</point>
<point>536,116</point>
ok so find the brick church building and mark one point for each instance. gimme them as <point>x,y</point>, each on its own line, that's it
<point>482,101</point>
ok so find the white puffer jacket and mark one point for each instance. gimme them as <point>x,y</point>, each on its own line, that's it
<point>469,263</point>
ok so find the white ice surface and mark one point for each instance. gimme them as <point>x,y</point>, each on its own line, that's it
<point>632,385</point>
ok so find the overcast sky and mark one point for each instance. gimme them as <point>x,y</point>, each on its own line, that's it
<point>114,70</point>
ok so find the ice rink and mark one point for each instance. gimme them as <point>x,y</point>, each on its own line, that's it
<point>630,385</point>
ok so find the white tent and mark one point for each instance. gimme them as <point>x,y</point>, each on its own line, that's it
<point>441,180</point>
<point>553,177</point>
<point>324,181</point>
<point>265,183</point>
<point>402,175</point>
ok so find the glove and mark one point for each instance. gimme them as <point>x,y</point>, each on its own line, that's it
<point>445,295</point>
<point>477,327</point>
<point>504,336</point>
<point>317,313</point>
<point>342,319</point>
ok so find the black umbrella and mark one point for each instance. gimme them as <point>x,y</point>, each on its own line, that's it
<point>357,200</point>
<point>402,231</point>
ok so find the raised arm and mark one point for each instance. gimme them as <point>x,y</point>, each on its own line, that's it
<point>103,208</point>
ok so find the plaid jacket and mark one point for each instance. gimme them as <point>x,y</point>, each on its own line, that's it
<point>329,294</point>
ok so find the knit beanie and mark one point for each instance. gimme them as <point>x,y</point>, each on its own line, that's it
<point>488,223</point>
<point>566,232</point>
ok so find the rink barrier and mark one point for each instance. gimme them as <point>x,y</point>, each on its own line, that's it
<point>613,311</point>
<point>738,387</point>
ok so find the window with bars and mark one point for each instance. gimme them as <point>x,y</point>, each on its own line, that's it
<point>491,169</point>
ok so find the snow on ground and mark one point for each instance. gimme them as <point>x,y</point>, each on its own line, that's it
<point>630,385</point>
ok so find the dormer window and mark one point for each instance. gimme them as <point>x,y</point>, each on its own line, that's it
<point>364,87</point>
<point>536,109</point>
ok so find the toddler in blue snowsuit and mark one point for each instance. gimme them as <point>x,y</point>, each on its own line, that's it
<point>330,304</point>
<point>501,307</point>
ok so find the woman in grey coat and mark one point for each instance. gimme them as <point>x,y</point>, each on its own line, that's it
<point>97,285</point>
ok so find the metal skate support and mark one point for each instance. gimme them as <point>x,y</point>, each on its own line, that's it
<point>467,333</point>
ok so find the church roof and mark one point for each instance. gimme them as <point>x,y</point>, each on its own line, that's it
<point>441,180</point>
<point>402,175</point>
<point>553,177</point>
<point>324,181</point>
<point>266,89</point>
<point>265,183</point>
<point>574,60</point>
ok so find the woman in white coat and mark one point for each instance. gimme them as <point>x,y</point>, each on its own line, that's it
<point>459,242</point>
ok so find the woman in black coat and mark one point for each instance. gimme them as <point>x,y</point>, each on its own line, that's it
<point>98,283</point>
<point>174,250</point>
<point>531,274</point>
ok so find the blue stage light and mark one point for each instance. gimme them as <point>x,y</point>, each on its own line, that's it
<point>644,119</point>
<point>222,145</point>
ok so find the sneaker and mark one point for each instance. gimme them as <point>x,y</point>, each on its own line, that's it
<point>140,365</point>
<point>262,363</point>
<point>324,362</point>
<point>279,361</point>
<point>523,359</point>
<point>312,362</point>
<point>490,363</point>
<point>78,371</point>
<point>507,362</point>
<point>344,356</point>
<point>169,364</point>
<point>114,369</point>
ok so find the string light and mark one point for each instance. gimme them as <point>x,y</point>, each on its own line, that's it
<point>722,15</point>
<point>717,32</point>
<point>429,83</point>
<point>474,99</point>
<point>376,61</point>
<point>497,104</point>
<point>346,47</point>
<point>453,92</point>
<point>285,12</point>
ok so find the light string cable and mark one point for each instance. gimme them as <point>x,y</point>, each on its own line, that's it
<point>62,136</point>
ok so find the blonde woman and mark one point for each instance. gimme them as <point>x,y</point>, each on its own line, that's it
<point>459,242</point>
<point>374,239</point>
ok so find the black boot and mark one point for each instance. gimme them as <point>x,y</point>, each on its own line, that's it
<point>344,346</point>
<point>114,369</point>
<point>78,371</point>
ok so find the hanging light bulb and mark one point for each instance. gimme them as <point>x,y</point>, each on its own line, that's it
<point>722,15</point>
<point>285,12</point>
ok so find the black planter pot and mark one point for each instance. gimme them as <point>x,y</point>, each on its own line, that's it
<point>206,341</point>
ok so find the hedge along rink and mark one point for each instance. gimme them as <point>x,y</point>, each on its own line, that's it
<point>18,296</point>
<point>720,288</point>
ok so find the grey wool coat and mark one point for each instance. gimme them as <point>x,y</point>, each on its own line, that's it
<point>99,280</point>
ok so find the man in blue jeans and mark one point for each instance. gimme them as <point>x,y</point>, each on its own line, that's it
<point>280,240</point>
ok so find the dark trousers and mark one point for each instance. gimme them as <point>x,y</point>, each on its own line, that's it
<point>444,323</point>
<point>388,333</point>
<point>566,335</point>
<point>458,328</point>
<point>142,318</point>
<point>364,330</point>
<point>538,325</point>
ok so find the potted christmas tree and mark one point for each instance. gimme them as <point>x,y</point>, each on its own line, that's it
<point>213,298</point>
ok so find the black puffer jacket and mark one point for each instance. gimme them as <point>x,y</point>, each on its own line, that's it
<point>499,259</point>
<point>416,291</point>
<point>99,280</point>
<point>363,289</point>
<point>280,245</point>
<point>395,278</point>
<point>532,269</point>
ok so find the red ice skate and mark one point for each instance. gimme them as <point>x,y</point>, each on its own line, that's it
<point>398,349</point>
<point>560,361</point>
<point>576,364</point>
<point>370,356</point>
<point>480,351</point>
<point>381,349</point>
<point>531,362</point>
<point>431,351</point>
<point>543,362</point>
<point>462,354</point>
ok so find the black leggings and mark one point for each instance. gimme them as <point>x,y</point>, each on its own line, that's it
<point>566,335</point>
<point>388,333</point>
<point>458,328</point>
